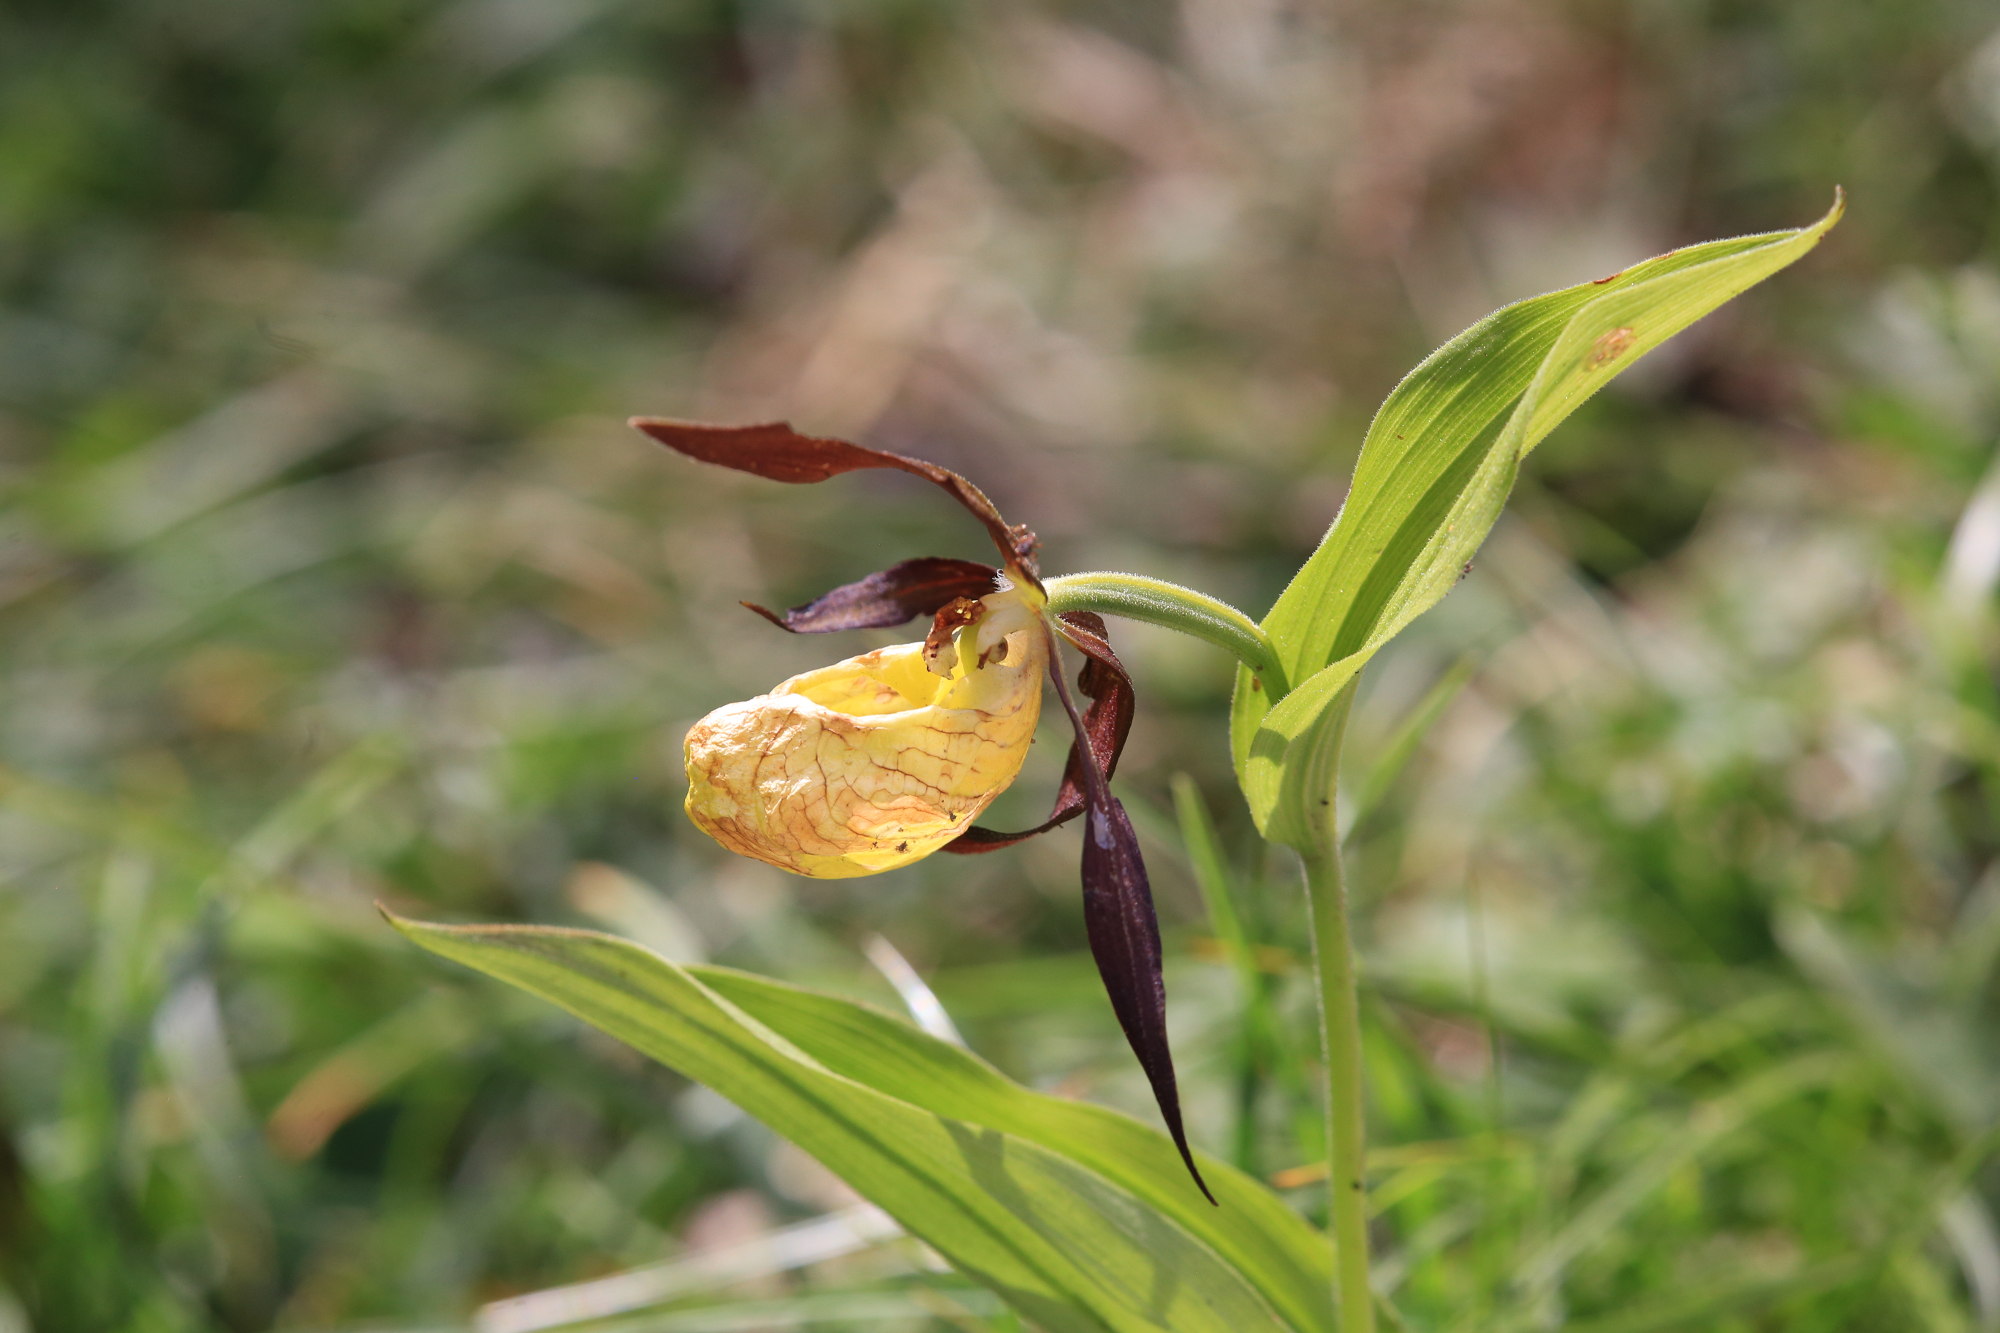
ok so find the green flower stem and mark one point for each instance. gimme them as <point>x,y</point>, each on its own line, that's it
<point>1340,1027</point>
<point>1158,602</point>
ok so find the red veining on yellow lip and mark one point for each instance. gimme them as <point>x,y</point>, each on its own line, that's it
<point>873,762</point>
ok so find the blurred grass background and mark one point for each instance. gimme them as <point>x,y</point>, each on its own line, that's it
<point>329,574</point>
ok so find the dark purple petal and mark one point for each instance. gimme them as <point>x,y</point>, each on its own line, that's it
<point>1118,915</point>
<point>888,597</point>
<point>1107,722</point>
<point>1125,941</point>
<point>777,452</point>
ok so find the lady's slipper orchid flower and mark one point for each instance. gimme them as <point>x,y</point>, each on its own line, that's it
<point>882,759</point>
<point>877,761</point>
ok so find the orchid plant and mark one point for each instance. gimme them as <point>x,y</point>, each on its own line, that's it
<point>1076,1217</point>
<point>882,759</point>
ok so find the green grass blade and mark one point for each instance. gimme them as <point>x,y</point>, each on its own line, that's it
<point>1211,877</point>
<point>1078,1218</point>
<point>1264,1056</point>
<point>1402,744</point>
<point>1434,473</point>
<point>1702,1308</point>
<point>1709,1125</point>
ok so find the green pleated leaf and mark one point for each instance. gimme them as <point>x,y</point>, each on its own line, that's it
<point>1078,1217</point>
<point>1434,472</point>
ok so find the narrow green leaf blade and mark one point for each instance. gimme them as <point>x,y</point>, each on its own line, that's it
<point>1288,1262</point>
<point>1073,1233</point>
<point>1434,473</point>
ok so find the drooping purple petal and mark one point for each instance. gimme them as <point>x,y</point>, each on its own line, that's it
<point>1123,928</point>
<point>1107,722</point>
<point>887,597</point>
<point>1125,940</point>
<point>775,451</point>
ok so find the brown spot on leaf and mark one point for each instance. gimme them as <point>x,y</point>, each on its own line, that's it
<point>1609,347</point>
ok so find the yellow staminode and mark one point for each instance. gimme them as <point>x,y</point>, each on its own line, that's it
<point>877,761</point>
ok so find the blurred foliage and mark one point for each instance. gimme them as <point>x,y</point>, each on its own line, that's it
<point>328,574</point>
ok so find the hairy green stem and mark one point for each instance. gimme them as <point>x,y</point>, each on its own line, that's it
<point>1340,1027</point>
<point>1158,602</point>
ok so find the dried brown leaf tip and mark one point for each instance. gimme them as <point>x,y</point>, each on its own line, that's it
<point>882,759</point>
